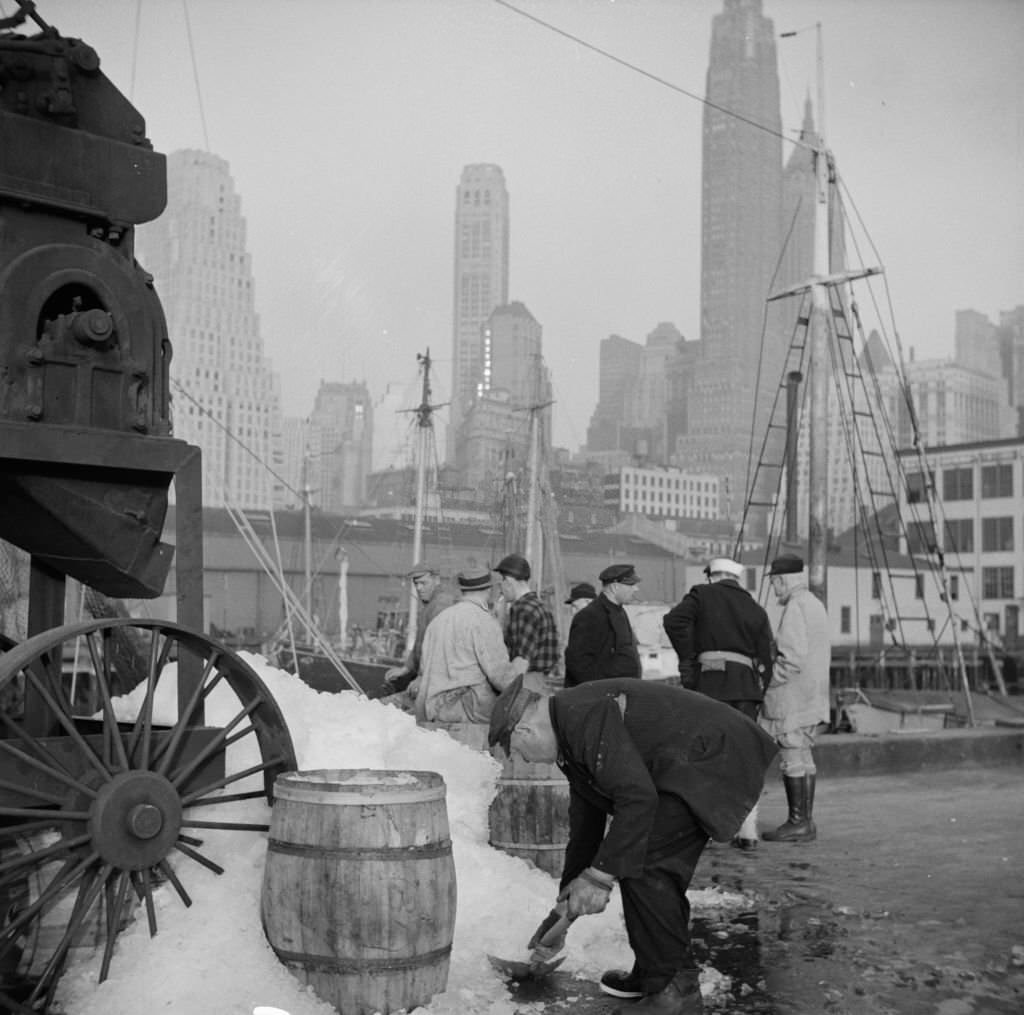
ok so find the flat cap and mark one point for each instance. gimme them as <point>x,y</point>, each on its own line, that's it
<point>787,563</point>
<point>624,574</point>
<point>584,590</point>
<point>514,566</point>
<point>421,567</point>
<point>474,578</point>
<point>724,565</point>
<point>512,703</point>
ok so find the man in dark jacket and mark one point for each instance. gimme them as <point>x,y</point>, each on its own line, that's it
<point>723,639</point>
<point>654,772</point>
<point>602,642</point>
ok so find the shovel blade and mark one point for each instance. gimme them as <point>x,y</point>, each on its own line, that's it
<point>517,970</point>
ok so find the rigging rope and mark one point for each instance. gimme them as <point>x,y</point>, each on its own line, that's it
<point>647,74</point>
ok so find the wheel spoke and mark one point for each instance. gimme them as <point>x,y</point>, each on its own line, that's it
<point>32,812</point>
<point>142,728</point>
<point>28,859</point>
<point>213,747</point>
<point>147,889</point>
<point>193,798</point>
<point>116,898</point>
<point>64,718</point>
<point>212,801</point>
<point>49,770</point>
<point>50,895</point>
<point>197,856</point>
<point>167,753</point>
<point>22,789</point>
<point>168,872</point>
<point>101,667</point>
<point>34,745</point>
<point>88,893</point>
<point>237,826</point>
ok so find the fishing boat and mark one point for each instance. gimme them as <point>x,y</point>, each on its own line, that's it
<point>832,424</point>
<point>358,660</point>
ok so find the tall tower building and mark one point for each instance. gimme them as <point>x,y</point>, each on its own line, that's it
<point>481,282</point>
<point>225,395</point>
<point>515,380</point>
<point>340,445</point>
<point>740,222</point>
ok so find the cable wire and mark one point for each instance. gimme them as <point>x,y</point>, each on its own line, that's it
<point>648,74</point>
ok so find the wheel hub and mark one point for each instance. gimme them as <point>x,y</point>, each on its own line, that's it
<point>135,819</point>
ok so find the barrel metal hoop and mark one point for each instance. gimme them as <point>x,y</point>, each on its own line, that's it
<point>330,964</point>
<point>528,847</point>
<point>428,851</point>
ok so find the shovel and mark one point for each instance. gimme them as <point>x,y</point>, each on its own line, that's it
<point>546,943</point>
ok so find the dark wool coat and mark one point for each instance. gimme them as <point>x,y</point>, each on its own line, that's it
<point>721,616</point>
<point>625,743</point>
<point>601,644</point>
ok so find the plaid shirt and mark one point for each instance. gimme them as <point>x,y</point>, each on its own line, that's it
<point>531,633</point>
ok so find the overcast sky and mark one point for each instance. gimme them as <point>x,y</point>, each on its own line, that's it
<point>346,124</point>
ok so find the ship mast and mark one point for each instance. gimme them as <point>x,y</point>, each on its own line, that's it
<point>817,540</point>
<point>424,443</point>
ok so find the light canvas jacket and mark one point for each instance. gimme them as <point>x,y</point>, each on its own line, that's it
<point>798,695</point>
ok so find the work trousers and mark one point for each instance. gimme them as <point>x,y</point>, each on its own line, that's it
<point>655,906</point>
<point>796,756</point>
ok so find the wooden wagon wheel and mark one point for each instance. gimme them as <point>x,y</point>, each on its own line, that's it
<point>92,816</point>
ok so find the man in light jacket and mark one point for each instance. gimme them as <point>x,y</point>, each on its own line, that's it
<point>797,699</point>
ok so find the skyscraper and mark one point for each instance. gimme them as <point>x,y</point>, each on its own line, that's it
<point>741,202</point>
<point>340,445</point>
<point>225,396</point>
<point>481,282</point>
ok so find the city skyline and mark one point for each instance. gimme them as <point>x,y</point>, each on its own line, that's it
<point>345,150</point>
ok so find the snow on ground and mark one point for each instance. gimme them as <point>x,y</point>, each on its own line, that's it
<point>213,958</point>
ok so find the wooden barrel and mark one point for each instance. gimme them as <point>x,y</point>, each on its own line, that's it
<point>529,816</point>
<point>359,886</point>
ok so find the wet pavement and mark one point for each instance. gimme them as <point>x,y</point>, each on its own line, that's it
<point>911,902</point>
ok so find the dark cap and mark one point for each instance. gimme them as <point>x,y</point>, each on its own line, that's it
<point>514,566</point>
<point>512,703</point>
<point>582,591</point>
<point>788,563</point>
<point>624,574</point>
<point>473,579</point>
<point>421,567</point>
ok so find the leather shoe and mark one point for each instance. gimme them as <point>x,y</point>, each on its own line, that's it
<point>619,983</point>
<point>680,997</point>
<point>747,845</point>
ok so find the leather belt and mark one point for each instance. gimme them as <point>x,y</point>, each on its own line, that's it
<point>716,660</point>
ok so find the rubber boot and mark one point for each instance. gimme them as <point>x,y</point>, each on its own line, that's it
<point>810,778</point>
<point>798,827</point>
<point>680,997</point>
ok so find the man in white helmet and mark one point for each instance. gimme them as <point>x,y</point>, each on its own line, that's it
<point>723,639</point>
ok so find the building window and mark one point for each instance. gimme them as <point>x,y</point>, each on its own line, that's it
<point>997,583</point>
<point>876,585</point>
<point>919,586</point>
<point>954,586</point>
<point>992,622</point>
<point>996,534</point>
<point>996,481</point>
<point>958,484</point>
<point>960,535</point>
<point>844,619</point>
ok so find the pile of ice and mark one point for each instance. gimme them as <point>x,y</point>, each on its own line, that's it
<point>213,958</point>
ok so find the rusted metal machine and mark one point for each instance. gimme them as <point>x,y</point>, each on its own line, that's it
<point>97,810</point>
